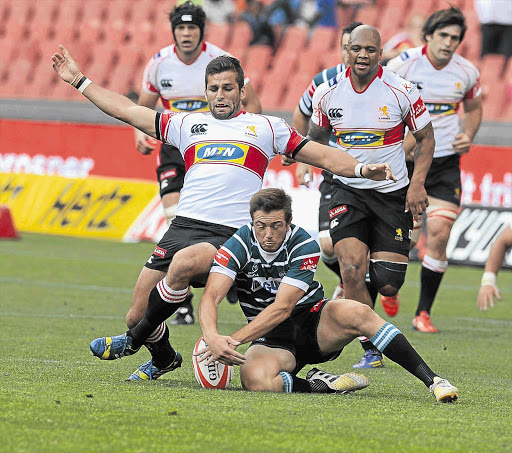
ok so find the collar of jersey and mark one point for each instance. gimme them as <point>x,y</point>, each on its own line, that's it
<point>271,256</point>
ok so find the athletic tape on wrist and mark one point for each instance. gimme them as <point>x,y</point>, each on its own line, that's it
<point>358,170</point>
<point>488,279</point>
<point>84,85</point>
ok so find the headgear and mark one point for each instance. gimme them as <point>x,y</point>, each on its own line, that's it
<point>188,13</point>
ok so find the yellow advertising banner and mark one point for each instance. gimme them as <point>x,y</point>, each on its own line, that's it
<point>90,207</point>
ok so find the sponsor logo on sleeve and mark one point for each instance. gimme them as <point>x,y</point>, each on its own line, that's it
<point>222,257</point>
<point>159,251</point>
<point>317,306</point>
<point>168,174</point>
<point>309,264</point>
<point>337,211</point>
<point>419,107</point>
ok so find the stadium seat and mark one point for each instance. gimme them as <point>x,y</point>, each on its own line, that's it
<point>218,34</point>
<point>368,15</point>
<point>91,31</point>
<point>243,35</point>
<point>294,38</point>
<point>331,59</point>
<point>391,18</point>
<point>117,32</point>
<point>323,39</point>
<point>142,35</point>
<point>295,88</point>
<point>257,62</point>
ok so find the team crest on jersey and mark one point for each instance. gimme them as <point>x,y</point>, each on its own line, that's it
<point>458,86</point>
<point>442,109</point>
<point>399,235</point>
<point>360,138</point>
<point>309,264</point>
<point>189,105</point>
<point>384,114</point>
<point>251,132</point>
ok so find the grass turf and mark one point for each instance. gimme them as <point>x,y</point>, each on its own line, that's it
<point>57,294</point>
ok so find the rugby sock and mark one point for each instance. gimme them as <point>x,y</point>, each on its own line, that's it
<point>393,344</point>
<point>367,345</point>
<point>432,272</point>
<point>161,350</point>
<point>293,383</point>
<point>332,263</point>
<point>162,303</point>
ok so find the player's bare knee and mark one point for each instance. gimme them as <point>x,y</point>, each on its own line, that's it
<point>352,273</point>
<point>255,379</point>
<point>387,276</point>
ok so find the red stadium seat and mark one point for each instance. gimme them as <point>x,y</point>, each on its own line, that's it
<point>368,15</point>
<point>294,38</point>
<point>242,35</point>
<point>295,88</point>
<point>323,39</point>
<point>218,34</point>
<point>258,59</point>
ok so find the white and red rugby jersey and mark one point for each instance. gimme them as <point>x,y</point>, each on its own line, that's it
<point>370,125</point>
<point>180,85</point>
<point>442,90</point>
<point>225,160</point>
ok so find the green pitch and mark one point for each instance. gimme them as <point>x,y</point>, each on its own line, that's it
<point>57,294</point>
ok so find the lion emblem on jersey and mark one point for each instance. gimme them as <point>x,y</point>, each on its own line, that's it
<point>384,115</point>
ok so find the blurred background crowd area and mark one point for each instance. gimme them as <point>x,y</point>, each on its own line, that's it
<point>282,43</point>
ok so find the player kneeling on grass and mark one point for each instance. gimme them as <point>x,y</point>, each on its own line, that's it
<point>290,324</point>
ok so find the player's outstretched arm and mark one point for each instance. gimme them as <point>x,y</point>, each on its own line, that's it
<point>220,347</point>
<point>488,289</point>
<point>337,161</point>
<point>113,104</point>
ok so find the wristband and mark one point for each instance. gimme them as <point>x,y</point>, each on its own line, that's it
<point>488,279</point>
<point>358,170</point>
<point>83,84</point>
<point>76,79</point>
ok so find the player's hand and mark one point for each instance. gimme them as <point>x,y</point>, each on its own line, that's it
<point>304,174</point>
<point>145,144</point>
<point>486,297</point>
<point>416,201</point>
<point>64,65</point>
<point>462,143</point>
<point>378,172</point>
<point>221,348</point>
<point>287,161</point>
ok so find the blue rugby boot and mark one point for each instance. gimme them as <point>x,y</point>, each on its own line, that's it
<point>372,358</point>
<point>147,371</point>
<point>111,348</point>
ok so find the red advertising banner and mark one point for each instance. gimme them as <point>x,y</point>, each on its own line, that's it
<point>72,150</point>
<point>487,176</point>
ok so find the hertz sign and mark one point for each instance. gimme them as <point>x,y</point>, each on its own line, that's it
<point>90,207</point>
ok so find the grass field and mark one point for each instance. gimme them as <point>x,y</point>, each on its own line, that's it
<point>57,294</point>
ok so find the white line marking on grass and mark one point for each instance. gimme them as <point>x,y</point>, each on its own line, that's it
<point>48,284</point>
<point>58,316</point>
<point>40,361</point>
<point>486,320</point>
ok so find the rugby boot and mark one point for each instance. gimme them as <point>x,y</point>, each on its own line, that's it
<point>422,323</point>
<point>390,304</point>
<point>111,348</point>
<point>322,382</point>
<point>147,371</point>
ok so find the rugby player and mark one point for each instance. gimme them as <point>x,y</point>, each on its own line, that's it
<point>226,154</point>
<point>175,75</point>
<point>290,324</point>
<point>368,107</point>
<point>445,80</point>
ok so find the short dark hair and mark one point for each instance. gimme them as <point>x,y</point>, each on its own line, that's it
<point>222,64</point>
<point>444,18</point>
<point>349,28</point>
<point>271,199</point>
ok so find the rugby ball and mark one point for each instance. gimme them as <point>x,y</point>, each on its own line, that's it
<point>214,375</point>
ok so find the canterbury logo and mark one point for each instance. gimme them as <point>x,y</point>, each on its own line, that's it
<point>166,83</point>
<point>335,113</point>
<point>199,128</point>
